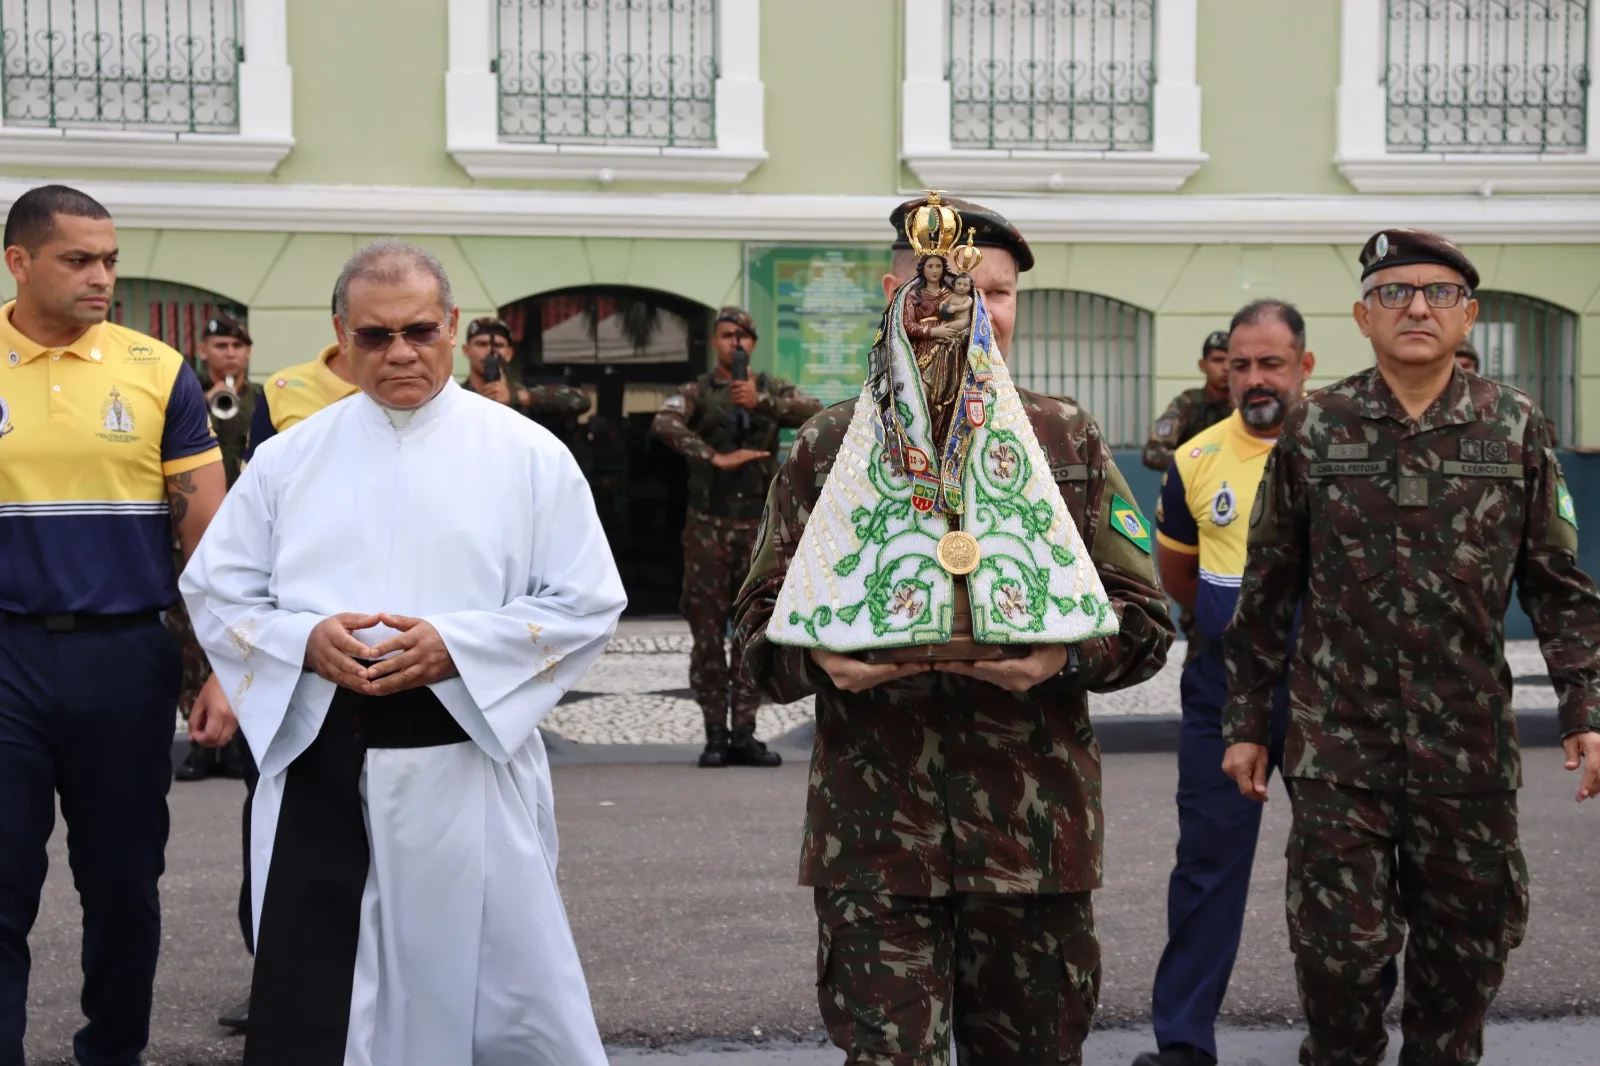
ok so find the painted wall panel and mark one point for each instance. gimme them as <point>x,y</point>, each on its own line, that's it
<point>1563,274</point>
<point>513,267</point>
<point>233,264</point>
<point>1141,275</point>
<point>286,336</point>
<point>304,273</point>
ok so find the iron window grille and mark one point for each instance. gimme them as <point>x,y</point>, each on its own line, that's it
<point>1533,345</point>
<point>1093,349</point>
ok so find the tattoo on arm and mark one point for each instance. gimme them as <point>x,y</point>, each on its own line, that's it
<point>179,488</point>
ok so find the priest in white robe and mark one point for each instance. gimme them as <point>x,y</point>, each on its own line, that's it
<point>394,594</point>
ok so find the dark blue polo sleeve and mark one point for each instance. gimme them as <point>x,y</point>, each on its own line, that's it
<point>1173,520</point>
<point>261,426</point>
<point>186,433</point>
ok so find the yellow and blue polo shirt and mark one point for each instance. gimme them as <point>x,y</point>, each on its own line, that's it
<point>1206,496</point>
<point>294,395</point>
<point>89,433</point>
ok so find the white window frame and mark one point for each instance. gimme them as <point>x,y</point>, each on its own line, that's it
<point>472,108</point>
<point>265,136</point>
<point>1175,152</point>
<point>1366,162</point>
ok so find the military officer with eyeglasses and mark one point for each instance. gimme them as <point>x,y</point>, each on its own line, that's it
<point>1396,511</point>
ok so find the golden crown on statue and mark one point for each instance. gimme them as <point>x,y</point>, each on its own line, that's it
<point>935,229</point>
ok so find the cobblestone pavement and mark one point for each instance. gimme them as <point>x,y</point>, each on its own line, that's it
<point>637,693</point>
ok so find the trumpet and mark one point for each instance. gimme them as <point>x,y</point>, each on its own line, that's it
<point>225,403</point>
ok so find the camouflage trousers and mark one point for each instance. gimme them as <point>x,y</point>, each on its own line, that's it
<point>1016,978</point>
<point>716,558</point>
<point>1363,867</point>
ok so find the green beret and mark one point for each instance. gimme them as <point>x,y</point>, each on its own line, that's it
<point>1408,247</point>
<point>990,228</point>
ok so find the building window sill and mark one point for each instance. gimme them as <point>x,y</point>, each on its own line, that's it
<point>1473,173</point>
<point>1022,170</point>
<point>211,152</point>
<point>608,163</point>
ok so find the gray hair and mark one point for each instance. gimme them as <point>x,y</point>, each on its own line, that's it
<point>389,261</point>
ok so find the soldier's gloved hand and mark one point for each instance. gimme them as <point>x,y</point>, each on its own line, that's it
<point>211,721</point>
<point>743,393</point>
<point>1014,675</point>
<point>850,674</point>
<point>1246,763</point>
<point>1587,747</point>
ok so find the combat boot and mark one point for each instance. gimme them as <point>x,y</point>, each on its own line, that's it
<point>716,753</point>
<point>1176,1055</point>
<point>746,750</point>
<point>198,765</point>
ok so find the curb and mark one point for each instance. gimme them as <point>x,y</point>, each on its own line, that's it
<point>1150,734</point>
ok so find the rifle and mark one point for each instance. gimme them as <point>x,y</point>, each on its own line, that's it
<point>741,372</point>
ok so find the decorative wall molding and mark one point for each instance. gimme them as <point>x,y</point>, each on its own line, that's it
<point>472,113</point>
<point>1069,218</point>
<point>266,95</point>
<point>925,119</point>
<point>1363,155</point>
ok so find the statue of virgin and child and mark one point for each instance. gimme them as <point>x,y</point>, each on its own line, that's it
<point>939,532</point>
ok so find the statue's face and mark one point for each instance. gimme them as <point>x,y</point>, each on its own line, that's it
<point>933,270</point>
<point>962,285</point>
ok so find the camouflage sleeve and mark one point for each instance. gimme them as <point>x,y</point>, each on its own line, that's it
<point>786,404</point>
<point>784,674</point>
<point>1127,571</point>
<point>671,425</point>
<point>1164,435</point>
<point>1256,642</point>
<point>554,400</point>
<point>1559,598</point>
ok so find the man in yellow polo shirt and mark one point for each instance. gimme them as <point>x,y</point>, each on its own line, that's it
<point>105,454</point>
<point>298,392</point>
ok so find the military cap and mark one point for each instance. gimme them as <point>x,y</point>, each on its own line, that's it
<point>227,326</point>
<point>1470,352</point>
<point>1407,247</point>
<point>990,228</point>
<point>1216,342</point>
<point>484,325</point>
<point>739,317</point>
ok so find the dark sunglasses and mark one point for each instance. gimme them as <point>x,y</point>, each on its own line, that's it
<point>377,339</point>
<point>1397,295</point>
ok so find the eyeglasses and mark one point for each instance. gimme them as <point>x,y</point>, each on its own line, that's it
<point>1397,295</point>
<point>377,339</point>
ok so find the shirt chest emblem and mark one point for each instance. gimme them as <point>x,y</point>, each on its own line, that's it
<point>1224,506</point>
<point>5,417</point>
<point>116,418</point>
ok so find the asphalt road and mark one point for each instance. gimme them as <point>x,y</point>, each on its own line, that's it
<point>680,886</point>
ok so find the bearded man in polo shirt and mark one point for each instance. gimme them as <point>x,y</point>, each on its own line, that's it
<point>105,455</point>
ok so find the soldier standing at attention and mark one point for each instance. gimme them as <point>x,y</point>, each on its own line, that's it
<point>1467,357</point>
<point>548,405</point>
<point>1396,511</point>
<point>1192,409</point>
<point>225,352</point>
<point>105,457</point>
<point>953,824</point>
<point>728,431</point>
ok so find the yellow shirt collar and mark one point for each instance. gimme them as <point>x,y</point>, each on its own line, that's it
<point>20,349</point>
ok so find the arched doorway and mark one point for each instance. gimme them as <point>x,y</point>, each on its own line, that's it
<point>1532,344</point>
<point>629,348</point>
<point>172,313</point>
<point>1092,348</point>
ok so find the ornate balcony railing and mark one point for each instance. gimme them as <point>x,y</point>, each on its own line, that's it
<point>627,72</point>
<point>155,65</point>
<point>1487,75</point>
<point>1052,74</point>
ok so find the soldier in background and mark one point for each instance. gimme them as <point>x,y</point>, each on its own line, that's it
<point>556,407</point>
<point>954,829</point>
<point>1396,511</point>
<point>728,432</point>
<point>224,356</point>
<point>1467,357</point>
<point>1192,409</point>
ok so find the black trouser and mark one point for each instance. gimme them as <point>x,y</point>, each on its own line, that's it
<point>252,775</point>
<point>87,714</point>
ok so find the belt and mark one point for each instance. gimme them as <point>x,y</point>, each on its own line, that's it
<point>78,622</point>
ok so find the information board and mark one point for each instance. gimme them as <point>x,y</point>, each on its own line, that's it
<point>817,311</point>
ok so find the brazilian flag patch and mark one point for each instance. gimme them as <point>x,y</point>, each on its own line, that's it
<point>1565,506</point>
<point>1126,519</point>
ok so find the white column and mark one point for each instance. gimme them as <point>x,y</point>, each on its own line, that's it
<point>741,97</point>
<point>1362,104</point>
<point>1177,97</point>
<point>925,94</point>
<point>266,89</point>
<point>472,101</point>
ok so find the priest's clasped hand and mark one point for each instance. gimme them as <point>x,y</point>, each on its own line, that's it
<point>334,653</point>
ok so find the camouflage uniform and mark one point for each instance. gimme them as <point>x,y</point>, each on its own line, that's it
<point>1400,540</point>
<point>953,829</point>
<point>696,421</point>
<point>552,406</point>
<point>1189,412</point>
